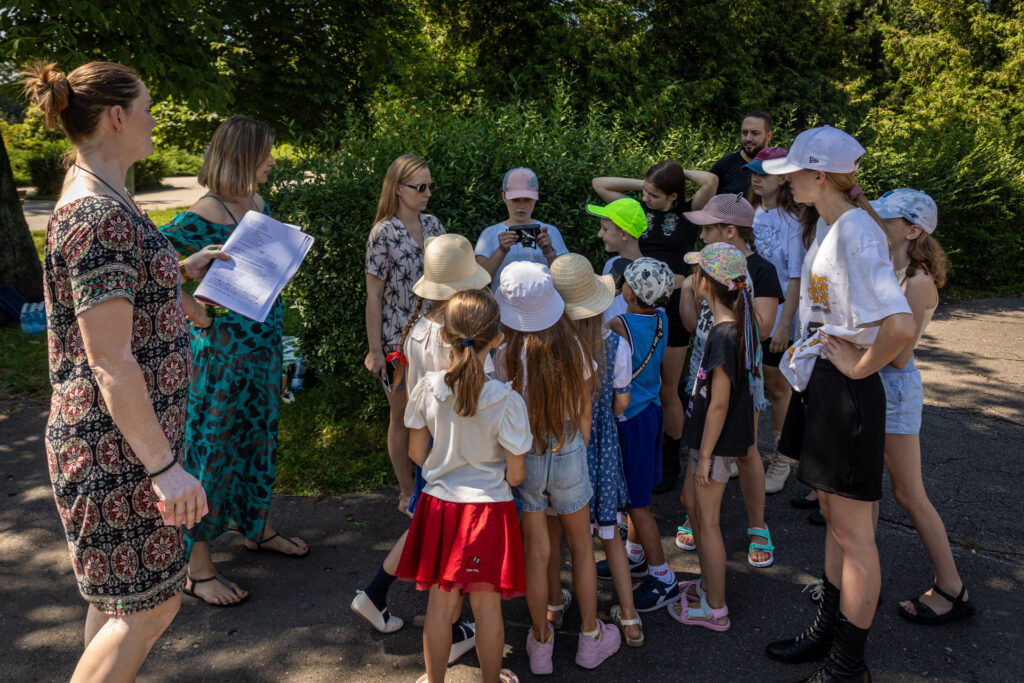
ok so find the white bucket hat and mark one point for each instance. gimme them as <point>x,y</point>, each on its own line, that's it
<point>584,293</point>
<point>819,149</point>
<point>527,297</point>
<point>449,267</point>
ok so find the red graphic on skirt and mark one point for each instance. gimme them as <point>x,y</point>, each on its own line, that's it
<point>473,565</point>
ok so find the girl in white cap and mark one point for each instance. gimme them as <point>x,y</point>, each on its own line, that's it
<point>850,300</point>
<point>448,268</point>
<point>911,217</point>
<point>587,296</point>
<point>545,362</point>
<point>469,434</point>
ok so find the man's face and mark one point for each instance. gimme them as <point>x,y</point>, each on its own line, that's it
<point>753,136</point>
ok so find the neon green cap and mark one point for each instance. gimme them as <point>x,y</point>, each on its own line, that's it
<point>625,213</point>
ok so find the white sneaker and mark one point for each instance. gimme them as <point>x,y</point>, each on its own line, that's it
<point>465,645</point>
<point>734,470</point>
<point>777,474</point>
<point>379,619</point>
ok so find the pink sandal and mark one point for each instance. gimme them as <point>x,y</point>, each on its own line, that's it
<point>704,615</point>
<point>684,587</point>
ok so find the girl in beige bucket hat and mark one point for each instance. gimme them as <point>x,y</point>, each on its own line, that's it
<point>586,297</point>
<point>449,267</point>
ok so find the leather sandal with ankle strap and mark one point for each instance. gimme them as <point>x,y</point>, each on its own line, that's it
<point>961,609</point>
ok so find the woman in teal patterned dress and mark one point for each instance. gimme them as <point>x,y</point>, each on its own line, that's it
<point>231,425</point>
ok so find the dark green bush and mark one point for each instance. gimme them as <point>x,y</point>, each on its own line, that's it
<point>179,162</point>
<point>149,172</point>
<point>973,175</point>
<point>46,167</point>
<point>19,165</point>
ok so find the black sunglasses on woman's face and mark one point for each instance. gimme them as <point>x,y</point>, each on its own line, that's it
<point>422,187</point>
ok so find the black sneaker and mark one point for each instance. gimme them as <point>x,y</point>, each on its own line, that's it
<point>638,570</point>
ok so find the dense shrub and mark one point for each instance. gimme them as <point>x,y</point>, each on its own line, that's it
<point>149,172</point>
<point>46,165</point>
<point>333,194</point>
<point>179,162</point>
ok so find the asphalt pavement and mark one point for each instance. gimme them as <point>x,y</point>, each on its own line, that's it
<point>297,625</point>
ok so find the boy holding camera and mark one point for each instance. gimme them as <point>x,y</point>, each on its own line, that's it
<point>519,237</point>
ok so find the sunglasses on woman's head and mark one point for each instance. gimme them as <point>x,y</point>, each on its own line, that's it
<point>422,187</point>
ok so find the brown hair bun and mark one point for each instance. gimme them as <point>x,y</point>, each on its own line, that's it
<point>47,87</point>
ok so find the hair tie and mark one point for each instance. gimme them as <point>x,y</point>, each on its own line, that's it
<point>855,192</point>
<point>467,342</point>
<point>397,357</point>
<point>739,285</point>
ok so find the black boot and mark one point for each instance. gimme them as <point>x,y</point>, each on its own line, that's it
<point>845,661</point>
<point>815,642</point>
<point>669,465</point>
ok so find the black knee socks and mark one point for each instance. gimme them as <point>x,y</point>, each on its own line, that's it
<point>377,589</point>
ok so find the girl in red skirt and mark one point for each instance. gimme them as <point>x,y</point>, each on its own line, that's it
<point>465,536</point>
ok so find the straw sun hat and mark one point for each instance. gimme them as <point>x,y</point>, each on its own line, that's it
<point>449,267</point>
<point>585,294</point>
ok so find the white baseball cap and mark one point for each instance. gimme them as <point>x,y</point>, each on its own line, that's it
<point>913,205</point>
<point>527,297</point>
<point>819,149</point>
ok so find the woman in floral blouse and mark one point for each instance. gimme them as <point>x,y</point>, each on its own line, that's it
<point>394,261</point>
<point>119,364</point>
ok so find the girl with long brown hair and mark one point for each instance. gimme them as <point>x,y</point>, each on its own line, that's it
<point>668,236</point>
<point>911,217</point>
<point>545,362</point>
<point>394,261</point>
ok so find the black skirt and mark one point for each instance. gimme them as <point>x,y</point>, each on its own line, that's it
<point>836,429</point>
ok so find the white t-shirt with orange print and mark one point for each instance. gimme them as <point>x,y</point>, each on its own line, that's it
<point>847,288</point>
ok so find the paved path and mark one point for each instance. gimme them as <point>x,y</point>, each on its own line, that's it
<point>297,625</point>
<point>178,191</point>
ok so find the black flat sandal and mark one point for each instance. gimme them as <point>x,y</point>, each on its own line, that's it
<point>926,615</point>
<point>260,549</point>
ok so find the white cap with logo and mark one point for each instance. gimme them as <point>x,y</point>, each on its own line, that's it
<point>819,149</point>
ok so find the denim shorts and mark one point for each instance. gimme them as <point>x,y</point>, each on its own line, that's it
<point>904,397</point>
<point>560,481</point>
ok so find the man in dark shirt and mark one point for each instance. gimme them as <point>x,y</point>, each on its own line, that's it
<point>755,134</point>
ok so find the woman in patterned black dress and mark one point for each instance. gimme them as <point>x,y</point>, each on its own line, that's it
<point>232,417</point>
<point>119,365</point>
<point>394,261</point>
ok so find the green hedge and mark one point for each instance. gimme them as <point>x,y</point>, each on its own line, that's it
<point>333,194</point>
<point>46,167</point>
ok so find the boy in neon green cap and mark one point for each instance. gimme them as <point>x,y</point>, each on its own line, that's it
<point>622,223</point>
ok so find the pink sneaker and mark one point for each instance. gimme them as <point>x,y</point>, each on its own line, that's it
<point>540,653</point>
<point>591,653</point>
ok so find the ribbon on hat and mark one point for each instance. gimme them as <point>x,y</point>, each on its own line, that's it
<point>855,192</point>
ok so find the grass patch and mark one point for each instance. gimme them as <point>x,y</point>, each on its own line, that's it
<point>325,446</point>
<point>164,216</point>
<point>39,239</point>
<point>24,370</point>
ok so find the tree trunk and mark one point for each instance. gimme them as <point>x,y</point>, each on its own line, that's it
<point>19,264</point>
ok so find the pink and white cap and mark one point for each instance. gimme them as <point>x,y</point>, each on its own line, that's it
<point>520,182</point>
<point>819,149</point>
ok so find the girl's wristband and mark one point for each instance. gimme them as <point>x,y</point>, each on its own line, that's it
<point>172,463</point>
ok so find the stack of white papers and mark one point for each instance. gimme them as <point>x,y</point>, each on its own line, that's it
<point>265,255</point>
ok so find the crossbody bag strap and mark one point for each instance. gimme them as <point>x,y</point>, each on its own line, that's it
<point>654,345</point>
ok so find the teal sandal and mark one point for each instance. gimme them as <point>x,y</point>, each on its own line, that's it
<point>768,547</point>
<point>685,530</point>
